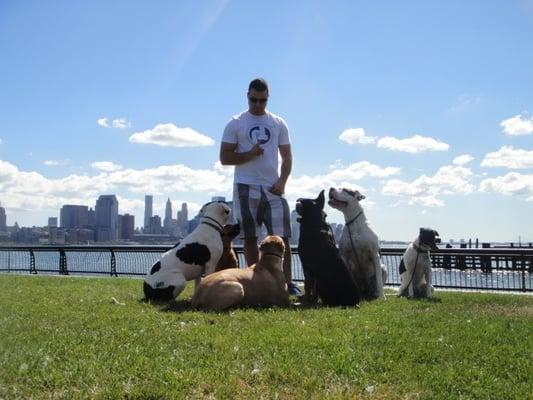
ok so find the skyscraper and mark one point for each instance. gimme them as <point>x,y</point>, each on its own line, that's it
<point>73,216</point>
<point>3,219</point>
<point>183,220</point>
<point>167,222</point>
<point>148,211</point>
<point>106,211</point>
<point>91,218</point>
<point>127,226</point>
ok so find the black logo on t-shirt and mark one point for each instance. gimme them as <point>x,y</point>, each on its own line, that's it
<point>259,134</point>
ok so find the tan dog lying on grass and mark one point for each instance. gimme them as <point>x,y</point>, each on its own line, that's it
<point>228,259</point>
<point>262,284</point>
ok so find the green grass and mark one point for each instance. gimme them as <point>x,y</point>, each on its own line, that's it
<point>65,337</point>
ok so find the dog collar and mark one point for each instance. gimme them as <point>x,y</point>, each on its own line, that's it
<point>354,218</point>
<point>218,228</point>
<point>272,254</point>
<point>418,249</point>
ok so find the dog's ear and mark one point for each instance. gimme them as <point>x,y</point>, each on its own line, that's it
<point>320,199</point>
<point>360,196</point>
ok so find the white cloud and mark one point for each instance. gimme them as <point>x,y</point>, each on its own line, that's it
<point>106,166</point>
<point>512,184</point>
<point>462,159</point>
<point>310,186</point>
<point>509,157</point>
<point>51,163</point>
<point>414,144</point>
<point>103,122</point>
<point>361,170</point>
<point>29,191</point>
<point>55,163</point>
<point>169,135</point>
<point>32,191</point>
<point>226,170</point>
<point>1,141</point>
<point>428,190</point>
<point>518,125</point>
<point>356,135</point>
<point>118,123</point>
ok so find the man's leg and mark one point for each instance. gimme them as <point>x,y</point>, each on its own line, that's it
<point>287,269</point>
<point>251,251</point>
<point>287,261</point>
<point>245,204</point>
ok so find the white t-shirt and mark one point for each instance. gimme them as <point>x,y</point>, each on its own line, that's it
<point>270,131</point>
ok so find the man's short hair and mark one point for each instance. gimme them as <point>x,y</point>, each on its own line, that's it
<point>258,84</point>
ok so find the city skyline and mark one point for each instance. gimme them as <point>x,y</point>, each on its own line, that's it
<point>425,107</point>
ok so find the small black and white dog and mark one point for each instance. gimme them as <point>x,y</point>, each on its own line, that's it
<point>415,267</point>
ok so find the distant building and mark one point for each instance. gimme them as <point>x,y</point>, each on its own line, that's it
<point>106,218</point>
<point>167,222</point>
<point>52,222</point>
<point>73,216</point>
<point>193,223</point>
<point>168,210</point>
<point>127,226</point>
<point>91,218</point>
<point>148,211</point>
<point>3,219</point>
<point>155,225</point>
<point>183,220</point>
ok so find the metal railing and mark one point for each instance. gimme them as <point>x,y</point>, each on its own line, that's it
<point>505,269</point>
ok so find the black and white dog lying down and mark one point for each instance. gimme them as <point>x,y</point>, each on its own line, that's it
<point>326,275</point>
<point>415,266</point>
<point>195,255</point>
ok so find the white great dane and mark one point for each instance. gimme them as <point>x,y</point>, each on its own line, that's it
<point>415,266</point>
<point>359,245</point>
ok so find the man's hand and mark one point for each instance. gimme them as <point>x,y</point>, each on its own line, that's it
<point>228,156</point>
<point>278,188</point>
<point>256,151</point>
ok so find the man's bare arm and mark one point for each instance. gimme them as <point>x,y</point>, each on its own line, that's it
<point>286,168</point>
<point>228,156</point>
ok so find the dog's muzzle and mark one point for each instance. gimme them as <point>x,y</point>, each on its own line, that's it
<point>429,237</point>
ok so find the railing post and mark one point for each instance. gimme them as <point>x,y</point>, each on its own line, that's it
<point>63,270</point>
<point>523,272</point>
<point>33,270</point>
<point>113,264</point>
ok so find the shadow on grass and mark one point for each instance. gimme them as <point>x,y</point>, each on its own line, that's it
<point>182,305</point>
<point>423,299</point>
<point>169,306</point>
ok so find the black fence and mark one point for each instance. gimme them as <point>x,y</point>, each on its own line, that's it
<point>505,269</point>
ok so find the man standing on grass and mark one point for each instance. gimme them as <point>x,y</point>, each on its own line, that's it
<point>251,142</point>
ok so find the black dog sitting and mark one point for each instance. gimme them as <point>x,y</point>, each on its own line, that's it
<point>326,275</point>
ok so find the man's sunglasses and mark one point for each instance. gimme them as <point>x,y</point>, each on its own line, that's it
<point>256,100</point>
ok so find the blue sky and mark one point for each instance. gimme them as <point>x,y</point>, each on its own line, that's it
<point>424,106</point>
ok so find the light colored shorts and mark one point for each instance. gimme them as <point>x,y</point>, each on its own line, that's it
<point>254,206</point>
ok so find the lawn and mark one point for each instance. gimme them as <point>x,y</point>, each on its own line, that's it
<point>76,337</point>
